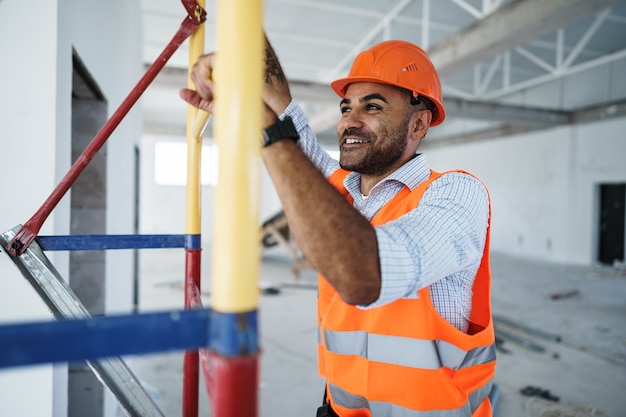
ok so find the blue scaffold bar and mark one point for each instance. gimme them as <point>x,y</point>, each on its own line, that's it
<point>102,336</point>
<point>234,334</point>
<point>105,242</point>
<point>193,241</point>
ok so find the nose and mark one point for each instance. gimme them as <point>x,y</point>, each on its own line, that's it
<point>349,120</point>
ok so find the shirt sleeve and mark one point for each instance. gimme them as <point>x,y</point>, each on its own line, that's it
<point>445,234</point>
<point>308,141</point>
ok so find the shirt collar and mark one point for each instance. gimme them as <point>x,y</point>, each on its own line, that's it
<point>411,174</point>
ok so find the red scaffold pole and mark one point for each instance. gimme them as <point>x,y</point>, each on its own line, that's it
<point>191,361</point>
<point>25,236</point>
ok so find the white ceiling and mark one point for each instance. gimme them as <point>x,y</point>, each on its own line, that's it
<point>506,66</point>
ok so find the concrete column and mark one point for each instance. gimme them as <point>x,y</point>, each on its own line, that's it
<point>87,268</point>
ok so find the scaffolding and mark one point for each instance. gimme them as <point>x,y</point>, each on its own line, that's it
<point>223,339</point>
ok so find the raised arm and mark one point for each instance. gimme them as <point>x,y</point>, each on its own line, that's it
<point>333,236</point>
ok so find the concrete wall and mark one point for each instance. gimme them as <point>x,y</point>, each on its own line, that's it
<point>544,186</point>
<point>36,40</point>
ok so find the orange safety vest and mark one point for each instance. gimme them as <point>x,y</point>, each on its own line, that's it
<point>404,358</point>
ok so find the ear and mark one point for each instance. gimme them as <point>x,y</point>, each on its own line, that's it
<point>420,122</point>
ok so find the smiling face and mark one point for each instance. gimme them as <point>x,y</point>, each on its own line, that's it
<point>377,130</point>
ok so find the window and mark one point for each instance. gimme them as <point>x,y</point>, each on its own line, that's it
<point>170,163</point>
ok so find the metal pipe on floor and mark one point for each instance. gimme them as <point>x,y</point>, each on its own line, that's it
<point>527,329</point>
<point>522,341</point>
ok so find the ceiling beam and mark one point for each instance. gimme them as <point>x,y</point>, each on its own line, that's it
<point>367,38</point>
<point>512,25</point>
<point>601,112</point>
<point>478,135</point>
<point>324,104</point>
<point>319,94</point>
<point>322,95</point>
<point>514,115</point>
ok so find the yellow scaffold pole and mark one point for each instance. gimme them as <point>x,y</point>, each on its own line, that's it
<point>238,113</point>
<point>236,249</point>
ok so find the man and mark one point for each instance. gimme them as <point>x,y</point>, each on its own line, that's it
<point>402,251</point>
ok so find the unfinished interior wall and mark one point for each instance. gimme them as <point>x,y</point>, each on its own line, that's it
<point>543,186</point>
<point>30,150</point>
<point>36,117</point>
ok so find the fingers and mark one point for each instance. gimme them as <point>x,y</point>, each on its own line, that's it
<point>202,77</point>
<point>192,97</point>
<point>276,93</point>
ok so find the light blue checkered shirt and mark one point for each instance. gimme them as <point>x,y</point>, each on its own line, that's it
<point>438,244</point>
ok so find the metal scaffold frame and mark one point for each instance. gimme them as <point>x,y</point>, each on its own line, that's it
<point>223,338</point>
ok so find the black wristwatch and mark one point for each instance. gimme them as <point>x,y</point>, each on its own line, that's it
<point>283,129</point>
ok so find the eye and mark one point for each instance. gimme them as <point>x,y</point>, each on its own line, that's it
<point>344,110</point>
<point>372,107</point>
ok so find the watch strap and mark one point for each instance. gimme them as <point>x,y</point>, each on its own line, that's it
<point>283,129</point>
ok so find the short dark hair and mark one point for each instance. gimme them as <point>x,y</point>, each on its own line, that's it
<point>427,102</point>
<point>417,100</point>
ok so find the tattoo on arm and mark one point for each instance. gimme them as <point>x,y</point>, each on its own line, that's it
<point>272,67</point>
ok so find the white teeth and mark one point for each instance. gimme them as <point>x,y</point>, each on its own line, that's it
<point>349,141</point>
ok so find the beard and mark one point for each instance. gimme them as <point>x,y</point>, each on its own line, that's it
<point>381,153</point>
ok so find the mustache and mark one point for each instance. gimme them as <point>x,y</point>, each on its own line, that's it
<point>360,133</point>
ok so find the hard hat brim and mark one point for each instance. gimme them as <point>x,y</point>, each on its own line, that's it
<point>340,86</point>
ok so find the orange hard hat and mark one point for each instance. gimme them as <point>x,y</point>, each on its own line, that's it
<point>398,63</point>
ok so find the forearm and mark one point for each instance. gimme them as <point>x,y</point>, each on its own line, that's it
<point>308,141</point>
<point>334,237</point>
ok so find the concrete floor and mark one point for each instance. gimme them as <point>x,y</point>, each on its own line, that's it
<point>586,369</point>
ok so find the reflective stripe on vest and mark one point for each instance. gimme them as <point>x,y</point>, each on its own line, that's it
<point>405,351</point>
<point>385,409</point>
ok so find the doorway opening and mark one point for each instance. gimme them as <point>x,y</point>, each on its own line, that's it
<point>611,228</point>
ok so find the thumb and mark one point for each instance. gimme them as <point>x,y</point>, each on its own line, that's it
<point>193,98</point>
<point>188,95</point>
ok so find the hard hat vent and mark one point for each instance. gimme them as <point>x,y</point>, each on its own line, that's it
<point>410,67</point>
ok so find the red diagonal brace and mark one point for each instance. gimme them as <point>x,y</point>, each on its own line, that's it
<point>196,15</point>
<point>194,11</point>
